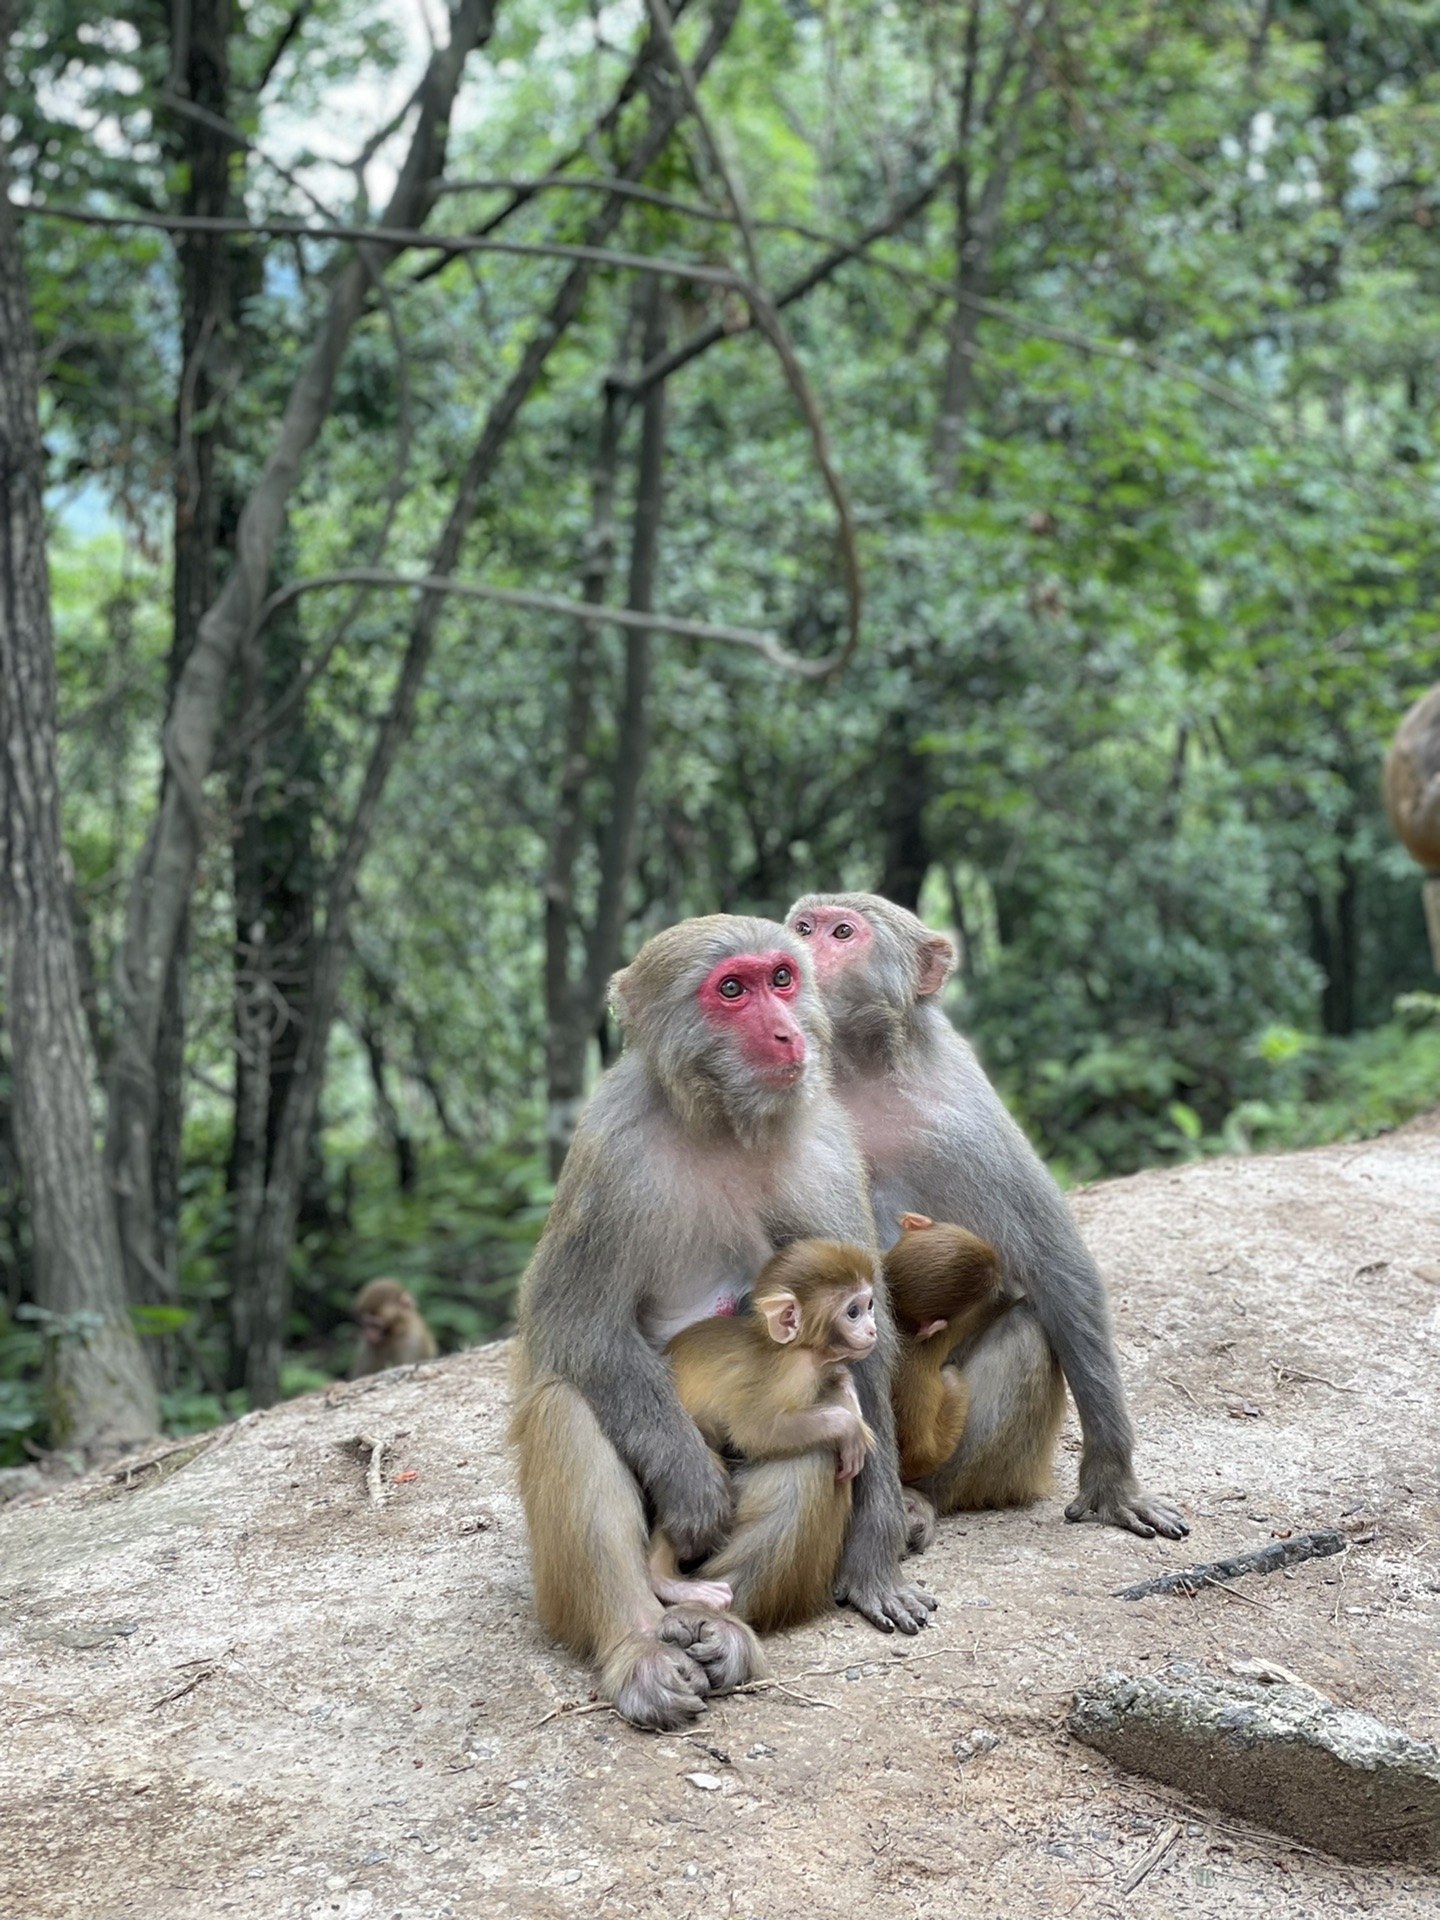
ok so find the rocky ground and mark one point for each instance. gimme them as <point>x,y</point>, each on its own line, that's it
<point>231,1683</point>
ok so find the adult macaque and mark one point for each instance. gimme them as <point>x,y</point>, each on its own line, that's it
<point>393,1332</point>
<point>938,1141</point>
<point>770,1384</point>
<point>945,1290</point>
<point>713,1142</point>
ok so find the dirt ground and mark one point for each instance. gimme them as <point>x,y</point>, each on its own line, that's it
<point>235,1685</point>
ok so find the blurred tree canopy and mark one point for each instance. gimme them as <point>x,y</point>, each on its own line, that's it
<point>1117,323</point>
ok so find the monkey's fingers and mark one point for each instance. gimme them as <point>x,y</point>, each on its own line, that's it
<point>724,1648</point>
<point>906,1609</point>
<point>1139,1513</point>
<point>653,1684</point>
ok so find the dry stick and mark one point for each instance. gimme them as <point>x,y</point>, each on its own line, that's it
<point>1264,1605</point>
<point>1153,1858</point>
<point>1280,1553</point>
<point>372,1472</point>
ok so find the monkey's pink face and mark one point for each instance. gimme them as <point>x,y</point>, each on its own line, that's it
<point>751,999</point>
<point>854,1331</point>
<point>834,935</point>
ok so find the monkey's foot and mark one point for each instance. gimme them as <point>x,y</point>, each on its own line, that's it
<point>888,1607</point>
<point>653,1683</point>
<point>1124,1505</point>
<point>724,1647</point>
<point>693,1593</point>
<point>919,1520</point>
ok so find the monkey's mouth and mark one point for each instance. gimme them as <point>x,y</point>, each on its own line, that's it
<point>783,1073</point>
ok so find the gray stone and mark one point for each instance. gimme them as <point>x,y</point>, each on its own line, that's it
<point>17,1480</point>
<point>1284,1757</point>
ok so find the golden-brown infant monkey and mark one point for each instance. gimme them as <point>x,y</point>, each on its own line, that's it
<point>945,1288</point>
<point>771,1384</point>
<point>393,1332</point>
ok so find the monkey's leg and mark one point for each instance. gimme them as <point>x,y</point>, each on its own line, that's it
<point>927,1444</point>
<point>783,1552</point>
<point>592,1584</point>
<point>1017,1401</point>
<point>670,1588</point>
<point>920,1526</point>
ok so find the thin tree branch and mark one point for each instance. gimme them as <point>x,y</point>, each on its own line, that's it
<point>401,239</point>
<point>706,337</point>
<point>764,644</point>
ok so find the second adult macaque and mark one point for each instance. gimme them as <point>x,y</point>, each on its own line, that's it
<point>393,1332</point>
<point>937,1140</point>
<point>945,1290</point>
<point>770,1384</point>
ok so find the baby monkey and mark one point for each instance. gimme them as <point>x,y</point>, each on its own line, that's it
<point>393,1332</point>
<point>771,1384</point>
<point>945,1288</point>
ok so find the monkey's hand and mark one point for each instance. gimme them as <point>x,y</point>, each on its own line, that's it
<point>695,1505</point>
<point>1115,1501</point>
<point>850,1451</point>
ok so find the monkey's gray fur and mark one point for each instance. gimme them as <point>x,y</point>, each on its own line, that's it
<point>684,1177</point>
<point>937,1140</point>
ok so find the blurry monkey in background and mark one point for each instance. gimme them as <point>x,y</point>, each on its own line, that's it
<point>393,1332</point>
<point>945,1290</point>
<point>938,1141</point>
<point>713,1142</point>
<point>771,1384</point>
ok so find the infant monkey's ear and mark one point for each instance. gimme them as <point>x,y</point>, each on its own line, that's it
<point>915,1222</point>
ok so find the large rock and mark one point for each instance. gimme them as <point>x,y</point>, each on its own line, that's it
<point>232,1687</point>
<point>1284,1757</point>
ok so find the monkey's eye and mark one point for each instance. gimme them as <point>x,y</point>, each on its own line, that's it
<point>731,988</point>
<point>804,928</point>
<point>784,977</point>
<point>855,1310</point>
<point>843,930</point>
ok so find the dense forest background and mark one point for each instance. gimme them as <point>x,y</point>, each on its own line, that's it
<point>1017,419</point>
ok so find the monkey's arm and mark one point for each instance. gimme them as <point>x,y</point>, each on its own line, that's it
<point>580,1322</point>
<point>868,1579</point>
<point>1011,1200</point>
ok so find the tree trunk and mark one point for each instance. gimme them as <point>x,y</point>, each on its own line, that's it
<point>101,1391</point>
<point>576,1005</point>
<point>160,891</point>
<point>907,794</point>
<point>200,71</point>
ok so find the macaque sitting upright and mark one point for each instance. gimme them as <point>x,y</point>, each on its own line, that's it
<point>771,1384</point>
<point>392,1330</point>
<point>945,1288</point>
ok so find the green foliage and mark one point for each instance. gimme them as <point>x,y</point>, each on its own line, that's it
<point>1129,666</point>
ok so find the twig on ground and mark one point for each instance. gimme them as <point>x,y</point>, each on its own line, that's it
<point>1280,1553</point>
<point>1152,1859</point>
<point>373,1478</point>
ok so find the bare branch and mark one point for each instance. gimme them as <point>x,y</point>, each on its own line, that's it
<point>400,239</point>
<point>764,644</point>
<point>846,250</point>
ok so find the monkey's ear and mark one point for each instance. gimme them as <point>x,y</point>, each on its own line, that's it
<point>621,989</point>
<point>915,1222</point>
<point>937,958</point>
<point>407,1301</point>
<point>782,1315</point>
